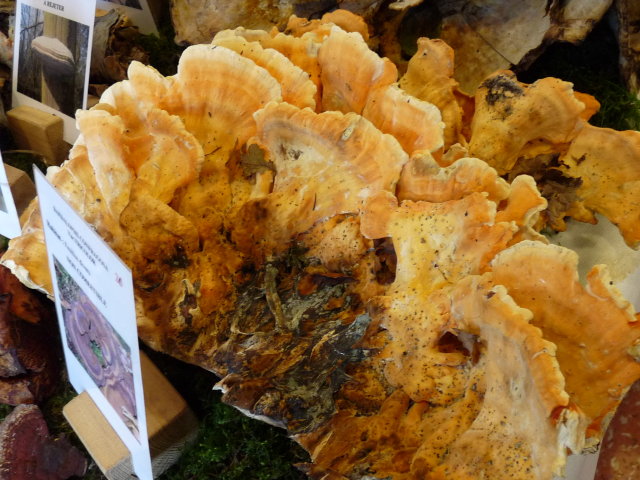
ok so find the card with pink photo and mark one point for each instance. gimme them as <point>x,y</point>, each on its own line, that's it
<point>93,292</point>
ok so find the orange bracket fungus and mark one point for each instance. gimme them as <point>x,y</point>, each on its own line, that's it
<point>358,256</point>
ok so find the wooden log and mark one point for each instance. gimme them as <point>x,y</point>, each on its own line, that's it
<point>171,425</point>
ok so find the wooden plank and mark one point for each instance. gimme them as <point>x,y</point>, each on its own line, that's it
<point>170,424</point>
<point>22,188</point>
<point>168,415</point>
<point>33,129</point>
<point>98,437</point>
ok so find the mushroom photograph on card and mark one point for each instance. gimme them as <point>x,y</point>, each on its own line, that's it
<point>103,353</point>
<point>52,59</point>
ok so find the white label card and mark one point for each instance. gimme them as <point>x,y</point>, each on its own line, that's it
<point>137,10</point>
<point>52,49</point>
<point>96,312</point>
<point>9,220</point>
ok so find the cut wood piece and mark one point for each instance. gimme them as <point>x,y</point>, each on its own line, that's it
<point>9,363</point>
<point>26,304</point>
<point>171,425</point>
<point>42,132</point>
<point>22,187</point>
<point>29,363</point>
<point>28,451</point>
<point>157,8</point>
<point>620,452</point>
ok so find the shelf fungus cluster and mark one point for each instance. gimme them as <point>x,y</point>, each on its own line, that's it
<point>358,256</point>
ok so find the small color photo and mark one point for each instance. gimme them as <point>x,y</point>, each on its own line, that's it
<point>101,351</point>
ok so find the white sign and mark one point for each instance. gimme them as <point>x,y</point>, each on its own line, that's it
<point>96,311</point>
<point>52,49</point>
<point>137,10</point>
<point>581,467</point>
<point>9,220</point>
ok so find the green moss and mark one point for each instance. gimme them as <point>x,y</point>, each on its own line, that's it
<point>163,52</point>
<point>619,110</point>
<point>230,446</point>
<point>52,410</point>
<point>4,411</point>
<point>233,447</point>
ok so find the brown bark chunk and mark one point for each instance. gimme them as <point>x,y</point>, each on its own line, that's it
<point>27,451</point>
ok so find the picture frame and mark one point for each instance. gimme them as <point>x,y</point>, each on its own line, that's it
<point>52,51</point>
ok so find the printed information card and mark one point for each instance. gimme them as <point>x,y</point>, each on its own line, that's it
<point>9,220</point>
<point>52,49</point>
<point>96,311</point>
